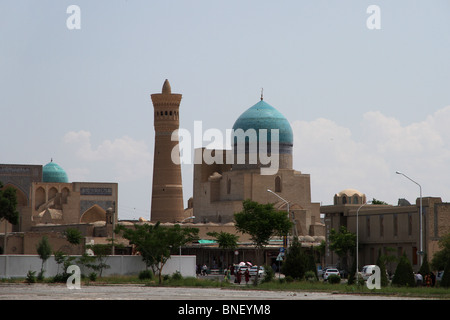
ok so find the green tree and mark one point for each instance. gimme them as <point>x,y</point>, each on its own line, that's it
<point>156,243</point>
<point>73,235</point>
<point>378,202</point>
<point>425,267</point>
<point>404,275</point>
<point>226,240</point>
<point>44,251</point>
<point>97,262</point>
<point>442,257</point>
<point>296,261</point>
<point>381,263</point>
<point>445,282</point>
<point>343,243</point>
<point>8,205</point>
<point>8,208</point>
<point>261,222</point>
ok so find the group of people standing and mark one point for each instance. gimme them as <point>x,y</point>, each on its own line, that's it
<point>232,270</point>
<point>428,280</point>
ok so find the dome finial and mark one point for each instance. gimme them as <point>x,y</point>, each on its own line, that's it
<point>166,87</point>
<point>262,95</point>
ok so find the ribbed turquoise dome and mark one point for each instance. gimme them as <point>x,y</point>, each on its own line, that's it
<point>263,116</point>
<point>52,172</point>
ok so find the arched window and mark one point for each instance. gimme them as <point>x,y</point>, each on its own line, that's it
<point>278,184</point>
<point>344,200</point>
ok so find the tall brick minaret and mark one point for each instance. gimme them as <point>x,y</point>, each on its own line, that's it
<point>167,193</point>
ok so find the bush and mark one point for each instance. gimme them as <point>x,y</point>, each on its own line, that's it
<point>333,279</point>
<point>31,277</point>
<point>404,275</point>
<point>269,274</point>
<point>310,276</point>
<point>92,276</point>
<point>145,274</point>
<point>445,282</point>
<point>177,276</point>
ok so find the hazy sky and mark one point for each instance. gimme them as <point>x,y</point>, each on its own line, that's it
<point>362,102</point>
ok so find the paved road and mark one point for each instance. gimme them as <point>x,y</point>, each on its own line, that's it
<point>141,292</point>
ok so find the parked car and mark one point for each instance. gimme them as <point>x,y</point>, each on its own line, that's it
<point>254,269</point>
<point>330,271</point>
<point>367,271</point>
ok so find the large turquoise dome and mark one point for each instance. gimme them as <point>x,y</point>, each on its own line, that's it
<point>52,172</point>
<point>263,116</point>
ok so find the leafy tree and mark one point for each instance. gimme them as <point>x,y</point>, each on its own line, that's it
<point>343,243</point>
<point>74,236</point>
<point>8,205</point>
<point>442,257</point>
<point>226,240</point>
<point>445,282</point>
<point>8,209</point>
<point>97,262</point>
<point>65,261</point>
<point>381,263</point>
<point>378,202</point>
<point>404,275</point>
<point>425,267</point>
<point>296,261</point>
<point>44,251</point>
<point>261,222</point>
<point>156,243</point>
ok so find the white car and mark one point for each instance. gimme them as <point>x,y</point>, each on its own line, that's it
<point>367,271</point>
<point>330,271</point>
<point>253,269</point>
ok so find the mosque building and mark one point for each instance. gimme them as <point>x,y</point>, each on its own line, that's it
<point>48,204</point>
<point>221,188</point>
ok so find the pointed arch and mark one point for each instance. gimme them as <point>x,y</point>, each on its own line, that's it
<point>22,199</point>
<point>39,197</point>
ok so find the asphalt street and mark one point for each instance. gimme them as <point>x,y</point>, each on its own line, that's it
<point>141,292</point>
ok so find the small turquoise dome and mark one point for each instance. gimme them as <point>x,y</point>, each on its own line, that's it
<point>52,172</point>
<point>263,116</point>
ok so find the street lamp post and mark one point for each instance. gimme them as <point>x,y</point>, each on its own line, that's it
<point>287,205</point>
<point>420,216</point>
<point>357,239</point>
<point>179,258</point>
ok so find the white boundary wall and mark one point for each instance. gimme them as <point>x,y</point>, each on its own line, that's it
<point>17,266</point>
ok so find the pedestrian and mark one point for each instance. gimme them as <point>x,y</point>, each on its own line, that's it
<point>428,280</point>
<point>228,274</point>
<point>419,279</point>
<point>247,276</point>
<point>238,277</point>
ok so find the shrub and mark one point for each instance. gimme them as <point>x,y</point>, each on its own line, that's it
<point>445,282</point>
<point>31,277</point>
<point>289,279</point>
<point>177,276</point>
<point>333,279</point>
<point>145,274</point>
<point>404,275</point>
<point>269,274</point>
<point>310,276</point>
<point>92,276</point>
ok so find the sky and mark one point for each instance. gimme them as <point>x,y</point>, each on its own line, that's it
<point>363,102</point>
